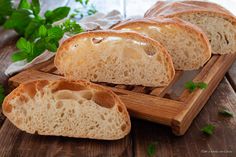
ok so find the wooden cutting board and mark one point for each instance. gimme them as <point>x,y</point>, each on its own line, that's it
<point>160,105</point>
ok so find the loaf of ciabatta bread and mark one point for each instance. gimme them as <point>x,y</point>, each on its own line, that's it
<point>186,43</point>
<point>115,57</point>
<point>67,108</point>
<point>218,23</point>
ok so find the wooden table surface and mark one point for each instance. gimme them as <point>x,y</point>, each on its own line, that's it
<point>14,142</point>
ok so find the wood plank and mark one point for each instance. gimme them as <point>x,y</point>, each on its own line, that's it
<point>7,37</point>
<point>195,101</point>
<point>5,58</point>
<point>18,143</point>
<point>231,76</point>
<point>162,91</point>
<point>7,47</point>
<point>201,75</point>
<point>194,143</point>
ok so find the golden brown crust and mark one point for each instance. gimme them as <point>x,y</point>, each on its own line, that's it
<point>161,21</point>
<point>171,9</point>
<point>111,33</point>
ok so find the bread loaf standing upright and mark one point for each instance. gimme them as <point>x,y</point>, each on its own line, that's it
<point>67,108</point>
<point>115,57</point>
<point>186,43</point>
<point>218,23</point>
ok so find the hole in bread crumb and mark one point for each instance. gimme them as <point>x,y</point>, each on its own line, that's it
<point>123,127</point>
<point>186,54</point>
<point>103,118</point>
<point>226,39</point>
<point>150,50</point>
<point>87,94</point>
<point>91,128</point>
<point>65,94</point>
<point>120,109</point>
<point>110,120</point>
<point>55,126</point>
<point>59,105</point>
<point>126,73</point>
<point>81,101</point>
<point>7,108</point>
<point>23,99</point>
<point>62,114</point>
<point>76,45</point>
<point>104,99</point>
<point>97,40</point>
<point>95,76</point>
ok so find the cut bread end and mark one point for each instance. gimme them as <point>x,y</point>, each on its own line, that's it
<point>67,108</point>
<point>115,57</point>
<point>219,28</point>
<point>187,45</point>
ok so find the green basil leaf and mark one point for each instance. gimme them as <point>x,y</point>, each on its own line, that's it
<point>40,45</point>
<point>57,14</point>
<point>24,4</point>
<point>2,20</point>
<point>208,129</point>
<point>42,31</point>
<point>52,47</point>
<point>31,29</point>
<point>35,6</point>
<point>18,56</point>
<point>86,2</point>
<point>151,150</point>
<point>71,27</point>
<point>80,1</point>
<point>226,112</point>
<point>19,20</point>
<point>55,33</point>
<point>24,45</point>
<point>190,85</point>
<point>1,89</point>
<point>5,7</point>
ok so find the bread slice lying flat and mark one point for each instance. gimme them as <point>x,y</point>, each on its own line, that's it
<point>187,44</point>
<point>218,23</point>
<point>66,108</point>
<point>115,57</point>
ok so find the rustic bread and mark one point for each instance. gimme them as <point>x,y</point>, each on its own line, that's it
<point>187,44</point>
<point>218,23</point>
<point>66,108</point>
<point>115,57</point>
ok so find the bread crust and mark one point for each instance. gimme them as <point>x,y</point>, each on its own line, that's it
<point>171,9</point>
<point>177,22</point>
<point>38,85</point>
<point>131,35</point>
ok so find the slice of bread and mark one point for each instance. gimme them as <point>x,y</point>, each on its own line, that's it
<point>218,23</point>
<point>66,108</point>
<point>115,57</point>
<point>187,44</point>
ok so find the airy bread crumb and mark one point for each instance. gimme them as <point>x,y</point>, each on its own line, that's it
<point>67,108</point>
<point>115,57</point>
